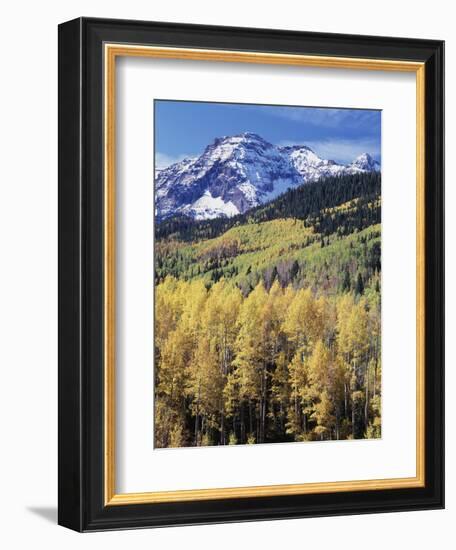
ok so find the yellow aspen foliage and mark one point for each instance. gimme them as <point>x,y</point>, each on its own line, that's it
<point>277,365</point>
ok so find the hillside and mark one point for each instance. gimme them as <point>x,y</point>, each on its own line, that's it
<point>268,323</point>
<point>324,235</point>
<point>306,202</point>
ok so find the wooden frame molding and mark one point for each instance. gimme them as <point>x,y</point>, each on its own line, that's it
<point>111,52</point>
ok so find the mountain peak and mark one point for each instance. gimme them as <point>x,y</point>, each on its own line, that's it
<point>224,147</point>
<point>250,135</point>
<point>238,172</point>
<point>239,138</point>
<point>366,163</point>
<point>364,157</point>
<point>296,148</point>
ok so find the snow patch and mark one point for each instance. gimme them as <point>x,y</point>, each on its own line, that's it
<point>208,207</point>
<point>248,190</point>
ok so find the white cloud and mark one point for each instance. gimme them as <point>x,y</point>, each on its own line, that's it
<point>328,117</point>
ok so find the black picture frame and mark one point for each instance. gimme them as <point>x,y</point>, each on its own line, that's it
<point>81,402</point>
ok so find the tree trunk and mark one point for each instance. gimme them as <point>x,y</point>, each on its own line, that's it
<point>296,411</point>
<point>345,400</point>
<point>375,368</point>
<point>375,373</point>
<point>222,427</point>
<point>353,418</point>
<point>263,405</point>
<point>197,418</point>
<point>282,426</point>
<point>196,429</point>
<point>366,405</point>
<point>242,420</point>
<point>250,418</point>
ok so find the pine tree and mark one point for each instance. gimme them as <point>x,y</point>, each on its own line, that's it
<point>359,285</point>
<point>346,283</point>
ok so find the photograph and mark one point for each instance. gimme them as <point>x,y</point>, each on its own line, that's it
<point>251,293</point>
<point>267,254</point>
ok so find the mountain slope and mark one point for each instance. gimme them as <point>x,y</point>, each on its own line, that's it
<point>306,201</point>
<point>317,232</point>
<point>237,173</point>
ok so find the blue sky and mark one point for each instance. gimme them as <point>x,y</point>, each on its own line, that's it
<point>185,128</point>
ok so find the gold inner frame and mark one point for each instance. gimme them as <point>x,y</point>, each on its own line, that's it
<point>111,52</point>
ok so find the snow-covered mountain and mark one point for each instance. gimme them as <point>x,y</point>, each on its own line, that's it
<point>363,163</point>
<point>236,173</point>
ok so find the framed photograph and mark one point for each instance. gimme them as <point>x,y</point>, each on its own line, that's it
<point>251,274</point>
